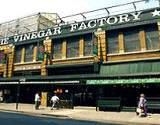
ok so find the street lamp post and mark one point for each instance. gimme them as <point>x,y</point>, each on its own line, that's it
<point>18,91</point>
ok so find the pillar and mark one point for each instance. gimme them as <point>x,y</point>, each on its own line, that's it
<point>102,51</point>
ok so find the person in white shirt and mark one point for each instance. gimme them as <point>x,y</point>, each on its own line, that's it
<point>37,101</point>
<point>54,101</point>
<point>142,104</point>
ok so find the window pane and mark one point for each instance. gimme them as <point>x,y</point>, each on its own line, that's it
<point>88,45</point>
<point>57,49</point>
<point>131,40</point>
<point>72,47</point>
<point>152,38</point>
<point>29,52</point>
<point>40,50</point>
<point>112,40</point>
<point>2,57</point>
<point>17,58</point>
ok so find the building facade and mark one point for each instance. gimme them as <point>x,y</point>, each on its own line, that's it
<point>112,56</point>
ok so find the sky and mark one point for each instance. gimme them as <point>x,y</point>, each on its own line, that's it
<point>13,9</point>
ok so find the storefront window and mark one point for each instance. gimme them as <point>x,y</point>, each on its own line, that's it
<point>29,49</point>
<point>88,45</point>
<point>131,40</point>
<point>112,40</point>
<point>57,49</point>
<point>72,47</point>
<point>17,58</point>
<point>152,38</point>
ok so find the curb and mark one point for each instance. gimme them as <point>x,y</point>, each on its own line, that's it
<point>115,122</point>
<point>32,113</point>
<point>61,116</point>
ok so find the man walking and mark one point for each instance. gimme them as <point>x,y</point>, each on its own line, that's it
<point>54,101</point>
<point>37,101</point>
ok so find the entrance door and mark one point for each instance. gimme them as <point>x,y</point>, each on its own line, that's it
<point>84,96</point>
<point>129,97</point>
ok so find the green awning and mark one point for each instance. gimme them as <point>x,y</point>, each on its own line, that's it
<point>123,81</point>
<point>131,68</point>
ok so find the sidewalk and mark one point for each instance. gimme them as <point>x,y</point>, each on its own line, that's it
<point>84,113</point>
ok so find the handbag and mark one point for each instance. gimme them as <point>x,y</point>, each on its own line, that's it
<point>138,110</point>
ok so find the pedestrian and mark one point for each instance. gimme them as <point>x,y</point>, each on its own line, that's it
<point>54,100</point>
<point>142,106</point>
<point>37,100</point>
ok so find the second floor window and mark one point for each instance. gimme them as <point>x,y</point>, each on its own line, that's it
<point>72,47</point>
<point>29,49</point>
<point>57,49</point>
<point>152,37</point>
<point>112,42</point>
<point>131,40</point>
<point>2,57</point>
<point>18,53</point>
<point>88,45</point>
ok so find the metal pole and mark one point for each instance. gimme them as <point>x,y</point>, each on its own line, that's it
<point>72,99</point>
<point>18,94</point>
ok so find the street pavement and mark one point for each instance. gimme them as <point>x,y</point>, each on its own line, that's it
<point>84,113</point>
<point>22,119</point>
